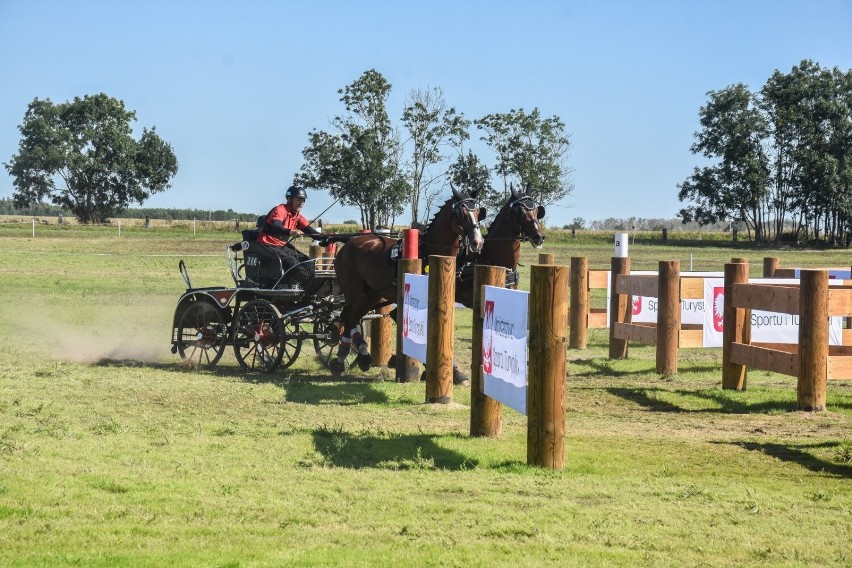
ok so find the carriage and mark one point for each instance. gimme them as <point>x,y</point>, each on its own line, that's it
<point>266,317</point>
<point>271,311</point>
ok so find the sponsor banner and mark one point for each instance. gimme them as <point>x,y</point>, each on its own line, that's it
<point>415,315</point>
<point>504,346</point>
<point>644,310</point>
<point>766,327</point>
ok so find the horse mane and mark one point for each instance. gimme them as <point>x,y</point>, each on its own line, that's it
<point>448,203</point>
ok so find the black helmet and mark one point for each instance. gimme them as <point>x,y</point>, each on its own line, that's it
<point>295,191</point>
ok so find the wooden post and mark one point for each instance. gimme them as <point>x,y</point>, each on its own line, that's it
<point>381,334</point>
<point>770,265</point>
<point>486,414</point>
<point>733,374</point>
<point>440,335</point>
<point>407,368</point>
<point>545,258</point>
<point>665,234</point>
<point>579,298</point>
<point>314,251</point>
<point>619,308</point>
<point>668,317</point>
<point>734,234</point>
<point>546,379</point>
<point>813,340</point>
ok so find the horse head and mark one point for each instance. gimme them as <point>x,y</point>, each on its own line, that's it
<point>467,213</point>
<point>527,213</point>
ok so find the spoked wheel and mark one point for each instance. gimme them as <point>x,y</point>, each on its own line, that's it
<point>258,334</point>
<point>291,341</point>
<point>202,334</point>
<point>326,339</point>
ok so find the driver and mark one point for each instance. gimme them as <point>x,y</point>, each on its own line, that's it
<point>285,222</point>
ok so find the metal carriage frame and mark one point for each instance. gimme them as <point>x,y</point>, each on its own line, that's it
<point>264,318</point>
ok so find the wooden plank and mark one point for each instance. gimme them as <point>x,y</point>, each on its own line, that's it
<point>691,338</point>
<point>840,301</point>
<point>645,334</point>
<point>597,318</point>
<point>768,297</point>
<point>788,347</point>
<point>839,368</point>
<point>598,279</point>
<point>784,273</point>
<point>847,337</point>
<point>635,285</point>
<point>767,359</point>
<point>691,288</point>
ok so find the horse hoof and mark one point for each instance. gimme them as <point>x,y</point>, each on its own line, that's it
<point>336,367</point>
<point>460,378</point>
<point>364,362</point>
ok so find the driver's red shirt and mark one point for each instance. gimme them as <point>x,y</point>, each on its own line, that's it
<point>289,220</point>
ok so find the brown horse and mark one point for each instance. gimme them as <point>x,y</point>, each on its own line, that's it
<point>367,275</point>
<point>517,221</point>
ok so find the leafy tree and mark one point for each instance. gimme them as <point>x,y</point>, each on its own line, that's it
<point>359,163</point>
<point>82,157</point>
<point>531,151</point>
<point>468,173</point>
<point>432,127</point>
<point>735,188</point>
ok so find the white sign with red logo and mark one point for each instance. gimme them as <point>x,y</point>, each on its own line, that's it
<point>766,327</point>
<point>504,346</point>
<point>692,311</point>
<point>415,315</point>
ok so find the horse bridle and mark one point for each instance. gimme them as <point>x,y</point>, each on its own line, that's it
<point>469,205</point>
<point>527,203</point>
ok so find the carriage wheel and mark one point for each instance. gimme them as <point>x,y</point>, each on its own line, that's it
<point>326,339</point>
<point>291,342</point>
<point>202,334</point>
<point>258,334</point>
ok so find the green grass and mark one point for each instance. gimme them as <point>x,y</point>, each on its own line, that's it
<point>113,454</point>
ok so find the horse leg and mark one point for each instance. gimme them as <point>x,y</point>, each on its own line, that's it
<point>351,336</point>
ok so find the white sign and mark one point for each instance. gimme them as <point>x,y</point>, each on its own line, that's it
<point>504,346</point>
<point>766,327</point>
<point>415,315</point>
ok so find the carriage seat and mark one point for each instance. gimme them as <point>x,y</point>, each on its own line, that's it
<point>261,265</point>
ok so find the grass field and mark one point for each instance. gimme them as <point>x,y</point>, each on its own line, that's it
<point>111,453</point>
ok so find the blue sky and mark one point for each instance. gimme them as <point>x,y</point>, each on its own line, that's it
<point>235,87</point>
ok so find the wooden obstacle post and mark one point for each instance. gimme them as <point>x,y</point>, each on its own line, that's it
<point>733,374</point>
<point>407,368</point>
<point>441,333</point>
<point>668,317</point>
<point>486,414</point>
<point>813,340</point>
<point>619,308</point>
<point>546,258</point>
<point>381,337</point>
<point>546,377</point>
<point>665,234</point>
<point>314,251</point>
<point>579,298</point>
<point>770,266</point>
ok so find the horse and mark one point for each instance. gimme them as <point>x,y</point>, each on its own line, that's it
<point>367,275</point>
<point>517,221</point>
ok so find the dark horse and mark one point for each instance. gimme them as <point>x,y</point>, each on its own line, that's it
<point>517,221</point>
<point>367,275</point>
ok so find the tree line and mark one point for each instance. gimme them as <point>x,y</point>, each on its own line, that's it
<point>368,163</point>
<point>40,209</point>
<point>781,157</point>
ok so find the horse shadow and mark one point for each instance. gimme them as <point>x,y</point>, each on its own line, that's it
<point>799,454</point>
<point>396,451</point>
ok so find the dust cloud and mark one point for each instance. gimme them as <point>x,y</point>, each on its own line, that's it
<point>114,333</point>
